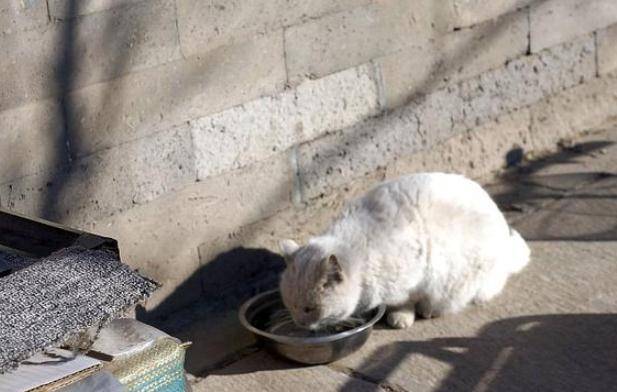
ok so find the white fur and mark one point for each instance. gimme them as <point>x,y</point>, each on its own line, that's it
<point>429,242</point>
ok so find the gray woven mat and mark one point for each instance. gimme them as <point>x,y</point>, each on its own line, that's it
<point>62,296</point>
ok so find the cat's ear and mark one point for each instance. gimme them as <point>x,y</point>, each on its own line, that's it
<point>332,271</point>
<point>288,248</point>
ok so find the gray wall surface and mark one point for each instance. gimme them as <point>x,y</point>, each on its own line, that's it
<point>173,125</point>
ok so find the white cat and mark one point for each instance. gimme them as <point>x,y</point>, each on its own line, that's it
<point>429,242</point>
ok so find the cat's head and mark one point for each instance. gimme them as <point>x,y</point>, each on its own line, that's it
<point>318,286</point>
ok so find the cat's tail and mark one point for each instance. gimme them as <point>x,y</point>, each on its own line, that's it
<point>520,252</point>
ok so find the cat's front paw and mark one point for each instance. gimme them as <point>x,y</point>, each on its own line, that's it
<point>401,319</point>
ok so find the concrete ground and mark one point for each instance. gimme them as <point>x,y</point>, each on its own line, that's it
<point>553,328</point>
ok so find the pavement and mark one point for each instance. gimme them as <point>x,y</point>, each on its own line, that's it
<point>554,328</point>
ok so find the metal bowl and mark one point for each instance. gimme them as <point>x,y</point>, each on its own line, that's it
<point>257,312</point>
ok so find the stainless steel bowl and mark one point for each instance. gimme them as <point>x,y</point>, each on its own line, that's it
<point>257,312</point>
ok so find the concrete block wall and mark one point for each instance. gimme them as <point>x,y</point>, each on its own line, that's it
<point>174,125</point>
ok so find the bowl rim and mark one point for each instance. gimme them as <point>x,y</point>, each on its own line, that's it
<point>293,340</point>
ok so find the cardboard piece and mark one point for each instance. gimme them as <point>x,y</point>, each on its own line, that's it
<point>48,371</point>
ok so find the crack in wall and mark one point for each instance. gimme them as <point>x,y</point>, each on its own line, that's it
<point>297,195</point>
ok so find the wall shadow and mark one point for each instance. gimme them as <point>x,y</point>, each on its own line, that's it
<point>544,195</point>
<point>70,134</point>
<point>569,352</point>
<point>66,72</point>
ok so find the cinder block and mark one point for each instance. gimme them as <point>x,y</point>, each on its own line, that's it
<point>259,129</point>
<point>64,9</point>
<point>32,140</point>
<point>110,181</point>
<point>556,21</point>
<point>16,16</point>
<point>521,82</point>
<point>420,69</point>
<point>607,49</point>
<point>476,153</point>
<point>67,55</point>
<point>139,104</point>
<point>111,43</point>
<point>338,158</point>
<point>207,25</point>
<point>134,172</point>
<point>349,38</point>
<point>570,112</point>
<point>208,208</point>
<point>471,12</point>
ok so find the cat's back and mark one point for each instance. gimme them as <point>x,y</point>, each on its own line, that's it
<point>421,198</point>
<point>427,194</point>
<point>435,188</point>
<point>423,188</point>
